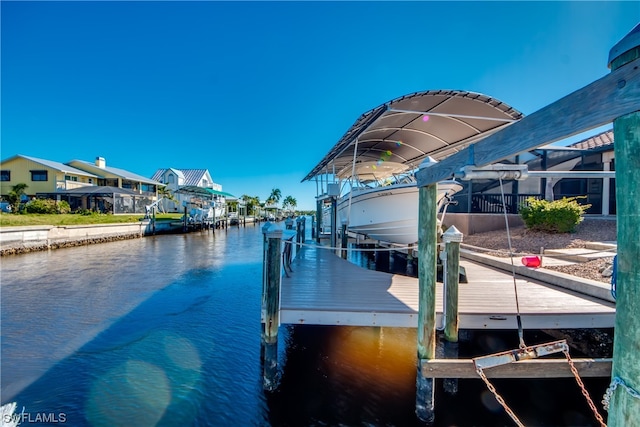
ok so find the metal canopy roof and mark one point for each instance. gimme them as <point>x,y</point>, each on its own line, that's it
<point>406,130</point>
<point>194,189</point>
<point>97,190</point>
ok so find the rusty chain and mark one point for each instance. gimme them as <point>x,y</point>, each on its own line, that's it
<point>585,393</point>
<point>499,398</point>
<point>576,375</point>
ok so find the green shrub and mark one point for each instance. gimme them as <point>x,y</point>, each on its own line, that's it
<point>558,216</point>
<point>41,206</point>
<point>63,207</point>
<point>47,206</point>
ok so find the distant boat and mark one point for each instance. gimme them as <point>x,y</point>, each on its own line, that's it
<point>386,207</point>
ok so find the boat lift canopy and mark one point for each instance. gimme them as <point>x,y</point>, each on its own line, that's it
<point>406,130</point>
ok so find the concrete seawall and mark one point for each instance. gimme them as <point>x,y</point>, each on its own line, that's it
<point>16,240</point>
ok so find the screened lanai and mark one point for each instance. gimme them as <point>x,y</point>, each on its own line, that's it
<point>102,199</point>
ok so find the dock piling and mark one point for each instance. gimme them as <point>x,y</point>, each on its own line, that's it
<point>452,239</point>
<point>427,270</point>
<point>344,240</point>
<point>271,304</point>
<point>624,408</point>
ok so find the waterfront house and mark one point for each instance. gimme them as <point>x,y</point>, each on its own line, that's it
<point>84,185</point>
<point>185,184</point>
<point>594,153</point>
<point>123,191</point>
<point>41,175</point>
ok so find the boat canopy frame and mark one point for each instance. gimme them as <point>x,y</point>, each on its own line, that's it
<point>408,129</point>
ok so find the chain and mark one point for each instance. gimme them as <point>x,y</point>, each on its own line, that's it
<point>614,384</point>
<point>585,393</point>
<point>499,398</point>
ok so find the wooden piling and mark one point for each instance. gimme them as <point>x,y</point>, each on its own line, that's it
<point>344,240</point>
<point>427,248</point>
<point>299,231</point>
<point>334,221</point>
<point>185,227</point>
<point>452,239</point>
<point>318,220</point>
<point>624,409</point>
<point>271,303</point>
<point>271,297</point>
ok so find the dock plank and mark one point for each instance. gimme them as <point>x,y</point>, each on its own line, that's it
<point>327,290</point>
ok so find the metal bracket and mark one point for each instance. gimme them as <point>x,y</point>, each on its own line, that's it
<point>511,356</point>
<point>496,171</point>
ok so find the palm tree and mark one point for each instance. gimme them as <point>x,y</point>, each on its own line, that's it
<point>251,202</point>
<point>15,195</point>
<point>167,194</point>
<point>275,196</point>
<point>289,202</point>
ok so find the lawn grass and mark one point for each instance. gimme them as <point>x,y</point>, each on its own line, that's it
<point>20,220</point>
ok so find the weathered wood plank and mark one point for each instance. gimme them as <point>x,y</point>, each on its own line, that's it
<point>535,368</point>
<point>327,290</point>
<point>596,104</point>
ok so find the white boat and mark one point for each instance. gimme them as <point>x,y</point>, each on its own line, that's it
<point>387,212</point>
<point>391,140</point>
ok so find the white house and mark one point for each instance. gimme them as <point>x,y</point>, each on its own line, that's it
<point>177,179</point>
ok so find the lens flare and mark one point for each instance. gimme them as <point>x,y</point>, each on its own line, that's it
<point>425,118</point>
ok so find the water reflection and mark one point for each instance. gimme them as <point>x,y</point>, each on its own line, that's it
<point>166,331</point>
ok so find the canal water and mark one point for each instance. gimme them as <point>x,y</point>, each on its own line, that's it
<point>165,331</point>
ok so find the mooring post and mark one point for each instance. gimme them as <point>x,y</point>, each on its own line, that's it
<point>318,220</point>
<point>303,220</point>
<point>344,241</point>
<point>624,407</point>
<point>427,252</point>
<point>185,227</point>
<point>271,304</point>
<point>153,220</point>
<point>334,221</point>
<point>299,224</point>
<point>288,223</point>
<point>452,239</point>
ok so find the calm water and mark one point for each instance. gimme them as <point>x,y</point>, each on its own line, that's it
<point>165,331</point>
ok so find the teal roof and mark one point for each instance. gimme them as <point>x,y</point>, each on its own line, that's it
<point>201,190</point>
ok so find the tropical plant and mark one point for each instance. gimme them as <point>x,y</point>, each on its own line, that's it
<point>558,216</point>
<point>274,197</point>
<point>251,202</point>
<point>289,202</point>
<point>15,196</point>
<point>167,194</point>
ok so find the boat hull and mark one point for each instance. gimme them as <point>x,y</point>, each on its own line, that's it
<point>388,214</point>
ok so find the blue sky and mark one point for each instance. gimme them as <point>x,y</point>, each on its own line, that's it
<point>258,92</point>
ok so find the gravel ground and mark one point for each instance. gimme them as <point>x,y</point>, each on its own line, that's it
<point>526,242</point>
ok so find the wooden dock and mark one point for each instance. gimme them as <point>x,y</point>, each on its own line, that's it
<point>324,289</point>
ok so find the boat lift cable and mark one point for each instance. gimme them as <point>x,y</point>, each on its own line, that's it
<point>513,268</point>
<point>524,352</point>
<point>353,174</point>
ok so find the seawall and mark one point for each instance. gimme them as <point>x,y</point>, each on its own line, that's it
<point>17,240</point>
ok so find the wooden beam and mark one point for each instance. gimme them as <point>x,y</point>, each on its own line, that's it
<point>534,368</point>
<point>596,104</point>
